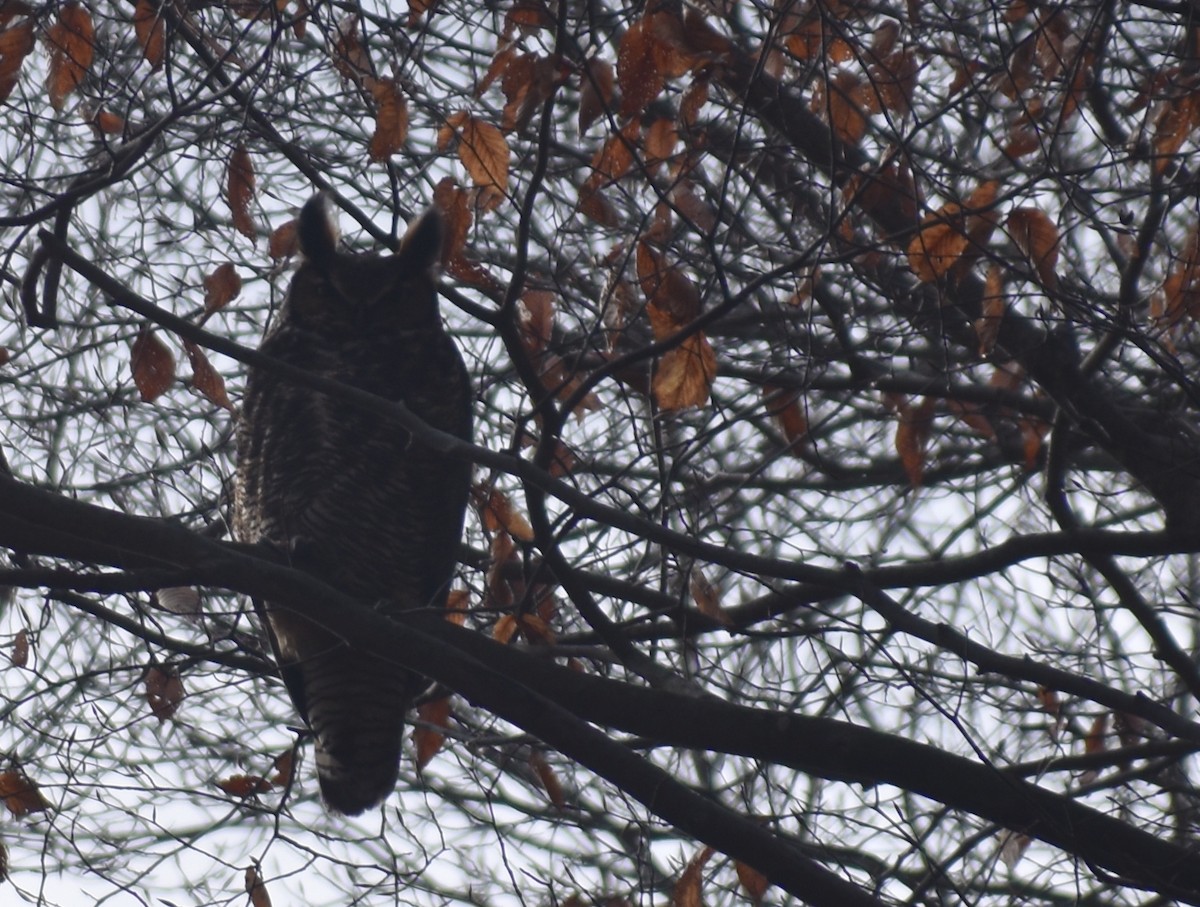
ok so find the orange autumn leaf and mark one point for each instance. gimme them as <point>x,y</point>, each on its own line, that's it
<point>244,786</point>
<point>1036,236</point>
<point>595,207</point>
<point>21,795</point>
<point>283,241</point>
<point>221,287</point>
<point>482,150</point>
<point>1177,118</point>
<point>418,8</point>
<point>164,692</point>
<point>457,603</point>
<point>661,138</point>
<point>285,768</point>
<point>707,598</point>
<point>153,365</point>
<point>108,122</point>
<point>939,243</point>
<point>429,740</point>
<point>1096,740</point>
<point>151,36</point>
<point>451,201</point>
<point>846,118</point>
<point>548,779</point>
<point>683,377</point>
<point>350,58</point>
<point>206,379</point>
<point>391,120</point>
<point>71,50</point>
<point>239,179</point>
<point>16,42</point>
<point>987,326</point>
<point>256,888</point>
<point>912,436</point>
<point>753,882</point>
<point>498,513</point>
<point>638,74</point>
<point>596,80</point>
<point>783,404</point>
<point>672,299</point>
<point>20,652</point>
<point>505,629</point>
<point>687,891</point>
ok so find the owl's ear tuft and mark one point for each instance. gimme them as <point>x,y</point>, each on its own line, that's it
<point>421,248</point>
<point>317,231</point>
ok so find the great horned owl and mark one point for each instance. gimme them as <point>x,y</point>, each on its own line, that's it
<point>347,493</point>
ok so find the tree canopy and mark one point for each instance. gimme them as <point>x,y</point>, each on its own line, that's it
<point>837,466</point>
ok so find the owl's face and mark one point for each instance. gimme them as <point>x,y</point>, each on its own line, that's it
<point>344,295</point>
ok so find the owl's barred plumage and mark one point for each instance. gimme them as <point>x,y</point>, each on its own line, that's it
<point>347,493</point>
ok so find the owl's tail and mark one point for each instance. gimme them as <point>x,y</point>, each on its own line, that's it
<point>355,707</point>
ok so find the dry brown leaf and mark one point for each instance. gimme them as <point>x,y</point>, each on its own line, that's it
<point>244,786</point>
<point>661,138</point>
<point>527,17</point>
<point>482,150</point>
<point>221,287</point>
<point>754,883</point>
<point>707,598</point>
<point>457,603</point>
<point>285,768</point>
<point>151,36</point>
<point>108,122</point>
<point>153,365</point>
<point>16,42</point>
<point>596,81</point>
<point>785,408</point>
<point>240,190</point>
<point>164,692</point>
<point>284,241</point>
<point>1096,740</point>
<point>1175,122</point>
<point>1012,847</point>
<point>548,779</point>
<point>912,435</point>
<point>505,629</point>
<point>684,376</point>
<point>595,207</point>
<point>418,8</point>
<point>391,120</point>
<point>71,50</point>
<point>1033,231</point>
<point>256,888</point>
<point>846,119</point>
<point>687,892</point>
<point>20,652</point>
<point>429,740</point>
<point>693,100</point>
<point>527,83</point>
<point>504,55</point>
<point>638,74</point>
<point>987,326</point>
<point>536,319</point>
<point>350,58</point>
<point>672,299</point>
<point>21,795</point>
<point>497,512</point>
<point>614,158</point>
<point>206,379</point>
<point>451,200</point>
<point>939,243</point>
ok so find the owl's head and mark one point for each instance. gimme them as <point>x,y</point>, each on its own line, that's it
<point>346,293</point>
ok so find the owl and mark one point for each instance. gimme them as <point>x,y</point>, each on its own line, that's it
<point>347,494</point>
